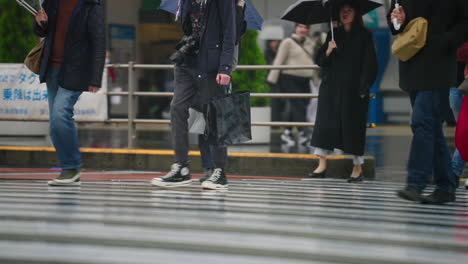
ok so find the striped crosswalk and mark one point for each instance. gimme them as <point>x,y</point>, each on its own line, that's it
<point>255,221</point>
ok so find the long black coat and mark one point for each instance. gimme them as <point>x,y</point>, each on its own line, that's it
<point>434,67</point>
<point>85,45</point>
<point>348,74</point>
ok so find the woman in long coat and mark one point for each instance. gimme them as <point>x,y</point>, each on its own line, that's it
<point>349,68</point>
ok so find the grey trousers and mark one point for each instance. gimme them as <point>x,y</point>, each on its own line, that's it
<point>190,89</point>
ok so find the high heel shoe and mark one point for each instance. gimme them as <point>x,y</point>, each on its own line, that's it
<point>320,175</point>
<point>356,180</point>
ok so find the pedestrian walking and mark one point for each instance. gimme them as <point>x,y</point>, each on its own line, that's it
<point>295,50</point>
<point>72,63</point>
<point>427,77</point>
<point>204,62</point>
<point>349,68</point>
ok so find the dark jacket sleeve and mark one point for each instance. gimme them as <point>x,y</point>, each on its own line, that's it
<point>227,13</point>
<point>369,65</point>
<point>38,30</point>
<point>97,37</point>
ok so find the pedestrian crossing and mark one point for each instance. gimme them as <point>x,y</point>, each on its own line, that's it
<point>255,221</point>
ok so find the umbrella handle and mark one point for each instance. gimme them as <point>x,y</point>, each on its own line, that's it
<point>332,30</point>
<point>396,25</point>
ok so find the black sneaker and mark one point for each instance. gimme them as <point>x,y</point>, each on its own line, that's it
<point>178,176</point>
<point>206,175</point>
<point>67,178</point>
<point>410,194</point>
<point>439,197</point>
<point>216,181</point>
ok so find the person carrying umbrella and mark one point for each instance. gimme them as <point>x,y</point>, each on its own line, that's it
<point>349,68</point>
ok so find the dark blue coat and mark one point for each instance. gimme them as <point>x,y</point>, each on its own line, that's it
<point>85,45</point>
<point>217,45</point>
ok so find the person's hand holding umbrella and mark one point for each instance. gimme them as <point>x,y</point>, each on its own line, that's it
<point>331,46</point>
<point>399,14</point>
<point>41,18</point>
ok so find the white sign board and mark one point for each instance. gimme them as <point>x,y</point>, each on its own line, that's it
<point>22,97</point>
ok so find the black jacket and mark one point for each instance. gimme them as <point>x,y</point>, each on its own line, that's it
<point>348,74</point>
<point>434,67</point>
<point>216,54</point>
<point>85,45</point>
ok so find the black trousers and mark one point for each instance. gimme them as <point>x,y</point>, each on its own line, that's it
<point>189,90</point>
<point>296,109</point>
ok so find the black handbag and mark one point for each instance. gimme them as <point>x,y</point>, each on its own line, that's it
<point>229,120</point>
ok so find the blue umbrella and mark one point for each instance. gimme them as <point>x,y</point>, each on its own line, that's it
<point>253,18</point>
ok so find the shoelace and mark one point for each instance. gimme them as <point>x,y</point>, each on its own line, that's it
<point>175,168</point>
<point>215,176</point>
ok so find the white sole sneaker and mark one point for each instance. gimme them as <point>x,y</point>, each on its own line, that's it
<point>71,184</point>
<point>288,142</point>
<point>213,186</point>
<point>159,183</point>
<point>75,181</point>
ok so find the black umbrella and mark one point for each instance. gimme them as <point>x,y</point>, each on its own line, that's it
<point>309,12</point>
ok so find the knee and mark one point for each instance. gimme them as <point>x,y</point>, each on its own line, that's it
<point>179,110</point>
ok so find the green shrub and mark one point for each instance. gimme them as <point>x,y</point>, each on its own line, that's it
<point>17,37</point>
<point>253,81</point>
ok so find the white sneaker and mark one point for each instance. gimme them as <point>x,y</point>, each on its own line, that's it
<point>303,139</point>
<point>287,138</point>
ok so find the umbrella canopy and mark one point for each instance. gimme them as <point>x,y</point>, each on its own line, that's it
<point>319,11</point>
<point>253,18</point>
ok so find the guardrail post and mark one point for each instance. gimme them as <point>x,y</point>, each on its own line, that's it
<point>131,113</point>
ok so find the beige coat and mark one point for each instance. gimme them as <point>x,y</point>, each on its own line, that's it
<point>290,53</point>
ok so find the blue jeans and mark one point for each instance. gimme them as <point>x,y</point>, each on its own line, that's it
<point>62,126</point>
<point>456,99</point>
<point>429,152</point>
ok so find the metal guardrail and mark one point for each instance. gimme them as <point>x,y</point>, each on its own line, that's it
<point>131,121</point>
<point>132,94</point>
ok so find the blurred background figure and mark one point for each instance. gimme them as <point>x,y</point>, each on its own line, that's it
<point>295,50</point>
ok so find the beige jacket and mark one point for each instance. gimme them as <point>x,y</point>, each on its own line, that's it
<point>290,53</point>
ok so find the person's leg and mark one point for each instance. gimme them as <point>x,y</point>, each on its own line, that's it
<point>52,88</point>
<point>205,153</point>
<point>422,146</point>
<point>218,179</point>
<point>65,136</point>
<point>444,178</point>
<point>184,93</point>
<point>321,169</point>
<point>357,175</point>
<point>358,161</point>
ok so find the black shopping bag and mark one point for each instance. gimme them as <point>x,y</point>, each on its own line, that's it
<point>229,119</point>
